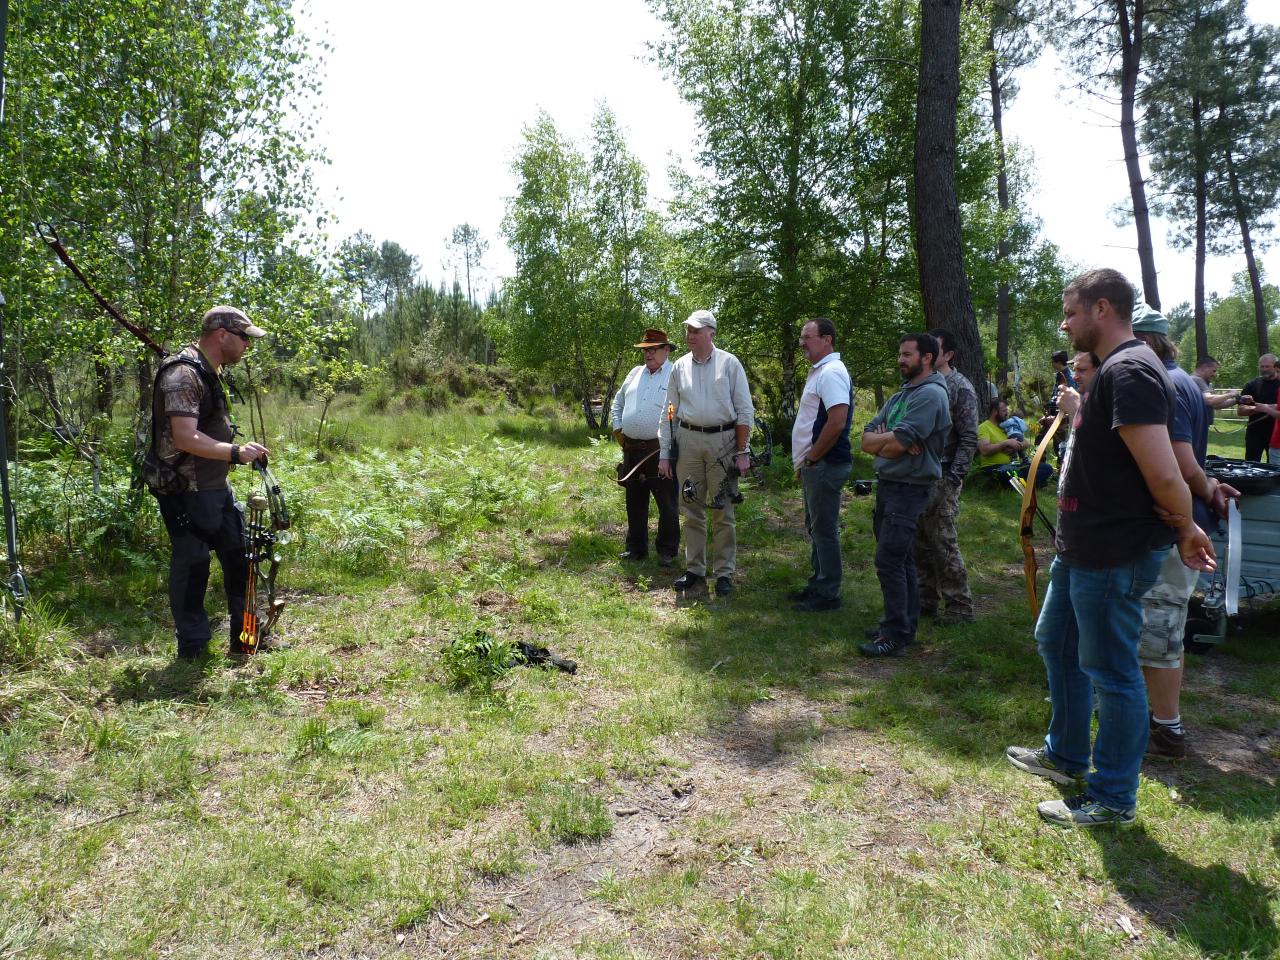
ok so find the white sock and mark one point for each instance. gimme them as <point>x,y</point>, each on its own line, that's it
<point>1174,725</point>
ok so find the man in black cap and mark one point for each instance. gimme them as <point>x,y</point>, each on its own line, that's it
<point>637,408</point>
<point>194,435</point>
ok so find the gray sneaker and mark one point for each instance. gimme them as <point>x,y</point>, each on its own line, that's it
<point>1036,762</point>
<point>1082,812</point>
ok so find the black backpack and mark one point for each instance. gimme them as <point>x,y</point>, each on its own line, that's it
<point>159,475</point>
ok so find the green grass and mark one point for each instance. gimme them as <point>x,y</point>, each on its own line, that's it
<point>721,778</point>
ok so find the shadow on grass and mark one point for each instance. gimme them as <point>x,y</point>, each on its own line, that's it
<point>546,431</point>
<point>178,680</point>
<point>1233,795</point>
<point>1216,909</point>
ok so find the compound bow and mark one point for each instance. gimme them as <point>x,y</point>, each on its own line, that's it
<point>266,520</point>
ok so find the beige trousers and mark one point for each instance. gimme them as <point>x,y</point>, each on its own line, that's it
<point>700,454</point>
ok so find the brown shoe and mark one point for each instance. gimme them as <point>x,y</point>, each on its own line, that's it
<point>1163,742</point>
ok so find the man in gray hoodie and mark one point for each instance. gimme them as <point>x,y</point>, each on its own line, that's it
<point>907,438</point>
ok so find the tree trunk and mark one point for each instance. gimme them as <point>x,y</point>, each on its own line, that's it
<point>1130,64</point>
<point>1197,132</point>
<point>944,287</point>
<point>143,372</point>
<point>105,396</point>
<point>1002,192</point>
<point>1255,280</point>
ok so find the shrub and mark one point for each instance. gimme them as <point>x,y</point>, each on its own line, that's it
<point>477,661</point>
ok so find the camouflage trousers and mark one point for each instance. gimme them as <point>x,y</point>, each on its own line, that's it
<point>940,568</point>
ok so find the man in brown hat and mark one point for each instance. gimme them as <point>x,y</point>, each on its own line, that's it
<point>637,409</point>
<point>194,435</point>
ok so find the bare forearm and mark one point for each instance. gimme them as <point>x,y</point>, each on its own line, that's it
<point>201,445</point>
<point>1152,450</point>
<point>1201,485</point>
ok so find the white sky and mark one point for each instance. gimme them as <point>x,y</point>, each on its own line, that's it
<point>424,104</point>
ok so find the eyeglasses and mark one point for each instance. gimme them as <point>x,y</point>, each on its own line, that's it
<point>237,333</point>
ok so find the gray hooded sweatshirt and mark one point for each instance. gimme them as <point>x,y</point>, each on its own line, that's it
<point>919,415</point>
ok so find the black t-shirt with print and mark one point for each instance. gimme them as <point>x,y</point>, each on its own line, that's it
<point>1106,514</point>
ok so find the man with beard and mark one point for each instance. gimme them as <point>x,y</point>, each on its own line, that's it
<point>942,574</point>
<point>907,438</point>
<point>1263,389</point>
<point>1120,478</point>
<point>191,409</point>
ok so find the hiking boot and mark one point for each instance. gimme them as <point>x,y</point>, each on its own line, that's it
<point>666,561</point>
<point>882,646</point>
<point>1083,812</point>
<point>688,581</point>
<point>631,555</point>
<point>1038,763</point>
<point>795,596</point>
<point>1163,742</point>
<point>872,632</point>
<point>724,586</point>
<point>950,619</point>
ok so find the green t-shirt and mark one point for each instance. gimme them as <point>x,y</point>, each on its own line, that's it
<point>992,433</point>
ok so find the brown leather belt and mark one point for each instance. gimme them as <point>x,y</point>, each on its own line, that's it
<point>720,429</point>
<point>633,444</point>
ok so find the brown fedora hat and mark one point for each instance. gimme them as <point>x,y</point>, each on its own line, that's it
<point>654,338</point>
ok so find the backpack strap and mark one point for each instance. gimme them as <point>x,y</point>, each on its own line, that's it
<point>168,363</point>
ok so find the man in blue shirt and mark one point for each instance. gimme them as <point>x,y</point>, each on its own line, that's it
<point>1164,608</point>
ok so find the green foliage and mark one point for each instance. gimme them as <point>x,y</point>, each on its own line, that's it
<point>588,258</point>
<point>569,813</point>
<point>186,185</point>
<point>39,637</point>
<point>1232,334</point>
<point>476,661</point>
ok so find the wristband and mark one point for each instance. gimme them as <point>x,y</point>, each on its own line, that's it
<point>235,453</point>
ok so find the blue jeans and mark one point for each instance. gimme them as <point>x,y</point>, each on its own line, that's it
<point>1088,638</point>
<point>898,508</point>
<point>822,485</point>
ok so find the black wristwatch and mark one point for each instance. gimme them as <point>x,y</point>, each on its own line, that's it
<point>235,453</point>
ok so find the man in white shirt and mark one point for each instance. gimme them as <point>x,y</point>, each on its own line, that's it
<point>637,407</point>
<point>823,459</point>
<point>711,416</point>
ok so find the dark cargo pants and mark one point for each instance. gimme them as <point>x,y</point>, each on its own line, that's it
<point>200,523</point>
